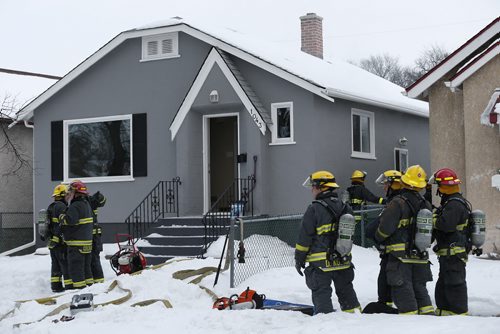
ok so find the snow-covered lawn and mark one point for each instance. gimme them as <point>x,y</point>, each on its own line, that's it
<point>27,277</point>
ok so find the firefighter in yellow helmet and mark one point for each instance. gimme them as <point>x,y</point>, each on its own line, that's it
<point>408,268</point>
<point>319,245</point>
<point>391,181</point>
<point>59,265</point>
<point>359,195</point>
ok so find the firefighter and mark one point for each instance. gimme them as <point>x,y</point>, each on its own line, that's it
<point>407,269</point>
<point>315,245</point>
<point>96,201</point>
<point>359,195</point>
<point>391,181</point>
<point>450,226</point>
<point>59,266</point>
<point>77,225</point>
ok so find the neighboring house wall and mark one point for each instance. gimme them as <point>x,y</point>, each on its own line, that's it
<point>459,141</point>
<point>482,148</point>
<point>16,189</point>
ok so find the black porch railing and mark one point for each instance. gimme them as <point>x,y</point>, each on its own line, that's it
<point>163,200</point>
<point>238,196</point>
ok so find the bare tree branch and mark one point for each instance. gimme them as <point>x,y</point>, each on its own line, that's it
<point>388,67</point>
<point>20,161</point>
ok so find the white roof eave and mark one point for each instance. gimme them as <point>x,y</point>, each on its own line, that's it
<point>335,93</point>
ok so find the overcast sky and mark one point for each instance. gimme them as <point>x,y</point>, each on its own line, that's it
<point>53,36</point>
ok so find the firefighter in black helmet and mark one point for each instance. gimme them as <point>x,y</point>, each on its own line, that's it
<point>315,243</point>
<point>407,270</point>
<point>96,201</point>
<point>77,224</point>
<point>59,266</point>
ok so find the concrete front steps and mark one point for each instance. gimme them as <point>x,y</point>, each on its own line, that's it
<point>173,237</point>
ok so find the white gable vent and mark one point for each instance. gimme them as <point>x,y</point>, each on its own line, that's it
<point>160,46</point>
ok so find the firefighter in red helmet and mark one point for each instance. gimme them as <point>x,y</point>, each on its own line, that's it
<point>77,225</point>
<point>450,226</point>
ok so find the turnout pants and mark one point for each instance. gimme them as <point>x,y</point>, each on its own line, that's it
<point>320,284</point>
<point>408,283</point>
<point>384,289</point>
<point>59,269</point>
<point>451,287</point>
<point>95,263</point>
<point>79,267</point>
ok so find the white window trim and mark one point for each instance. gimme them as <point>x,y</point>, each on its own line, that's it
<point>67,123</point>
<point>274,133</point>
<point>363,155</point>
<point>401,150</point>
<point>175,46</point>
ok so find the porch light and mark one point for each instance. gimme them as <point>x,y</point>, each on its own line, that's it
<point>403,141</point>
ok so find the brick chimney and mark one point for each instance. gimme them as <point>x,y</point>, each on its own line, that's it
<point>311,26</point>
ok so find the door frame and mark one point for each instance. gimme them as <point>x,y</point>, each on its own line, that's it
<point>206,153</point>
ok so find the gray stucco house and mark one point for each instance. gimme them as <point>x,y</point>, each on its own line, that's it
<point>210,105</point>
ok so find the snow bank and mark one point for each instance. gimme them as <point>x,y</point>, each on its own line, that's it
<point>28,277</point>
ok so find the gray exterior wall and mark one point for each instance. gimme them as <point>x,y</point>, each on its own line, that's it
<point>120,84</point>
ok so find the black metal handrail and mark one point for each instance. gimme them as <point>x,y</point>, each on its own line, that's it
<point>237,196</point>
<point>162,200</point>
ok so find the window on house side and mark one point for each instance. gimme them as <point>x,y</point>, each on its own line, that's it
<point>282,117</point>
<point>363,134</point>
<point>400,159</point>
<point>98,149</point>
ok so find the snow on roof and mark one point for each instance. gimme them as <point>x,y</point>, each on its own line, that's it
<point>326,78</point>
<point>338,78</point>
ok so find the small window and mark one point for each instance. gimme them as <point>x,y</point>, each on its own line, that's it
<point>98,149</point>
<point>282,117</point>
<point>363,134</point>
<point>400,159</point>
<point>160,46</point>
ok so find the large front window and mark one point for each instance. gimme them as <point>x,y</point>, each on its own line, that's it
<point>98,149</point>
<point>363,134</point>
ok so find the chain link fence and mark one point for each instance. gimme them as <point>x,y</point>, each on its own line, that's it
<point>16,229</point>
<point>269,242</point>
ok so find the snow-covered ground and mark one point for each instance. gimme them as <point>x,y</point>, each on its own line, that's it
<point>27,277</point>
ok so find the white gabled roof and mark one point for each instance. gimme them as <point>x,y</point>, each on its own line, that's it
<point>327,79</point>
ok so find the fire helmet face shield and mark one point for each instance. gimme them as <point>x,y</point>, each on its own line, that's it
<point>321,179</point>
<point>388,177</point>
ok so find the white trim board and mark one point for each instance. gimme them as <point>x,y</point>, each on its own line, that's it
<point>453,60</point>
<point>206,152</point>
<point>214,58</point>
<point>470,70</point>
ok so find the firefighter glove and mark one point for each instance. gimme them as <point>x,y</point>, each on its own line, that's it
<point>300,261</point>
